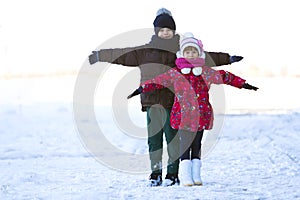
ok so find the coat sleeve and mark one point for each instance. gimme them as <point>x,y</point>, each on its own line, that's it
<point>130,56</point>
<point>159,82</point>
<point>213,59</point>
<point>224,77</point>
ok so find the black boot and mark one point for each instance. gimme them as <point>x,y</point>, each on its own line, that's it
<point>171,179</point>
<point>155,179</point>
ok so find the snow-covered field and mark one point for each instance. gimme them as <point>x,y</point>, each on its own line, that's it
<point>43,156</point>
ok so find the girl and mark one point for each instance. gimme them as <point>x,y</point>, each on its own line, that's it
<point>191,112</point>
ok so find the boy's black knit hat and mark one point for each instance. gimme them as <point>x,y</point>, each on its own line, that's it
<point>164,19</point>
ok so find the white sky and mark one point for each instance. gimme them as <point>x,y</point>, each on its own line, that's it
<point>45,36</point>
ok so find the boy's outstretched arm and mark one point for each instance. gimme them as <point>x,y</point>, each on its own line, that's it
<point>129,56</point>
<point>214,59</point>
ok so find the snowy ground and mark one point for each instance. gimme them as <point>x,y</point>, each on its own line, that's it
<point>42,155</point>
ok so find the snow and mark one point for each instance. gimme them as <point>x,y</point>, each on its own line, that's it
<point>43,154</point>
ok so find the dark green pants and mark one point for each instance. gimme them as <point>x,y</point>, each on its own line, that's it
<point>158,122</point>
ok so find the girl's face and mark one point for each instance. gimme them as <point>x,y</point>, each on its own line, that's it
<point>165,33</point>
<point>190,53</point>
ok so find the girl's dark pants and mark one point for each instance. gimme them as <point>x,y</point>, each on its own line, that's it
<point>190,144</point>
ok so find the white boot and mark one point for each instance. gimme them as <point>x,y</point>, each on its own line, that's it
<point>196,171</point>
<point>185,173</point>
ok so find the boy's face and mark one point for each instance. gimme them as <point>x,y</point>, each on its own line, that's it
<point>165,33</point>
<point>190,53</point>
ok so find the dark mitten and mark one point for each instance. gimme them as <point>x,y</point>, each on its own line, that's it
<point>235,58</point>
<point>94,57</point>
<point>250,87</point>
<point>136,92</point>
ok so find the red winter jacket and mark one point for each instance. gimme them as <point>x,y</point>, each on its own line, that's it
<point>191,109</point>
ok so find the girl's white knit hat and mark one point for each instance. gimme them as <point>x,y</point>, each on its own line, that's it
<point>188,40</point>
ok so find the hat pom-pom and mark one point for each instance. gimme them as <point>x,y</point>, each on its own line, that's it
<point>188,35</point>
<point>163,11</point>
